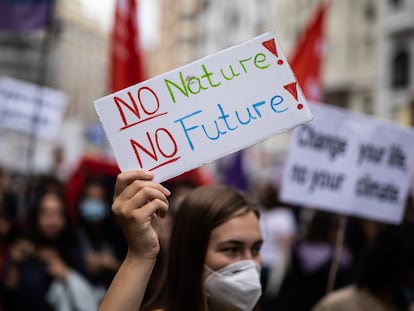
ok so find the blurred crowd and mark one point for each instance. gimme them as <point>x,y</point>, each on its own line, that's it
<point>60,248</point>
<point>57,254</point>
<point>374,261</point>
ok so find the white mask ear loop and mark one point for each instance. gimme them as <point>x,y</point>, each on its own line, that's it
<point>209,276</point>
<point>209,269</point>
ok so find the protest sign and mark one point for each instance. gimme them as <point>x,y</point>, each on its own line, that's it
<point>31,109</point>
<point>205,110</point>
<point>351,164</point>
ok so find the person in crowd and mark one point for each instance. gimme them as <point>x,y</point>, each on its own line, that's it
<point>10,222</point>
<point>360,234</point>
<point>214,255</point>
<point>100,239</point>
<point>278,225</point>
<point>385,281</point>
<point>306,281</point>
<point>44,269</point>
<point>9,218</point>
<point>409,210</point>
<point>38,185</point>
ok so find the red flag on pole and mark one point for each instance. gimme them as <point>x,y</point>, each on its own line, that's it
<point>126,62</point>
<point>307,56</point>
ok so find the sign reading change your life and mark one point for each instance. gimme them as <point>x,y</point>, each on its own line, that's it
<point>351,164</point>
<point>205,110</point>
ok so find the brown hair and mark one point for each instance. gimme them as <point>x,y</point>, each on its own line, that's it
<point>66,243</point>
<point>202,210</point>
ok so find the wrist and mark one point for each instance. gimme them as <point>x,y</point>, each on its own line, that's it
<point>139,265</point>
<point>64,274</point>
<point>135,257</point>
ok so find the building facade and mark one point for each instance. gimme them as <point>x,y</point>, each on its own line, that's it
<point>351,64</point>
<point>362,36</point>
<point>81,58</point>
<point>179,37</point>
<point>70,56</point>
<point>191,29</point>
<point>396,82</point>
<point>352,49</point>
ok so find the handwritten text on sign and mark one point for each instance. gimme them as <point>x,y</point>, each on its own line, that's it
<point>205,110</point>
<point>351,164</point>
<point>31,109</point>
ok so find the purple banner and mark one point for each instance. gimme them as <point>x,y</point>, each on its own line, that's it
<point>24,15</point>
<point>236,176</point>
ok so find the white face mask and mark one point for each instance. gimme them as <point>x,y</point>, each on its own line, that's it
<point>236,285</point>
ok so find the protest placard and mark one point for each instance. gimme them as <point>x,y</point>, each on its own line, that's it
<point>351,164</point>
<point>200,112</point>
<point>31,109</point>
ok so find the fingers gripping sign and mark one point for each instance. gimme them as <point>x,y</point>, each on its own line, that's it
<point>138,204</point>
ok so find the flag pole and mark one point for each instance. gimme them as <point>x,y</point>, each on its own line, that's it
<point>340,237</point>
<point>41,80</point>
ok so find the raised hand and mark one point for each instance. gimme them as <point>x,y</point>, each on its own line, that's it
<point>138,204</point>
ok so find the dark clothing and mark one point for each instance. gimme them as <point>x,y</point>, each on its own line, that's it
<point>34,283</point>
<point>307,279</point>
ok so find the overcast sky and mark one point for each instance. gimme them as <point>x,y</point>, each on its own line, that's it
<point>103,11</point>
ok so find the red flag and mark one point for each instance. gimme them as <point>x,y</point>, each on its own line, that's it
<point>307,56</point>
<point>126,63</point>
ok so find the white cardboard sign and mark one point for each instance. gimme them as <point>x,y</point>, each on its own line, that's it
<point>350,164</point>
<point>205,110</point>
<point>31,109</point>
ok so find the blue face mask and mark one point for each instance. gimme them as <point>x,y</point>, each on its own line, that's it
<point>93,210</point>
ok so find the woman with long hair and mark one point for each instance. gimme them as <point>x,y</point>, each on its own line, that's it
<point>44,270</point>
<point>214,254</point>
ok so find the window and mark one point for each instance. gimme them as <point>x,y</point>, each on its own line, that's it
<point>367,104</point>
<point>400,71</point>
<point>395,2</point>
<point>370,11</point>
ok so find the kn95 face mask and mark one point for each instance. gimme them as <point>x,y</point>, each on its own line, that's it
<point>236,285</point>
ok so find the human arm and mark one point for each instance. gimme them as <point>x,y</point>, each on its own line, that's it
<point>138,204</point>
<point>19,251</point>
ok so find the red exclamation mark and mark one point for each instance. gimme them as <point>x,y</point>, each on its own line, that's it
<point>292,89</point>
<point>270,45</point>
